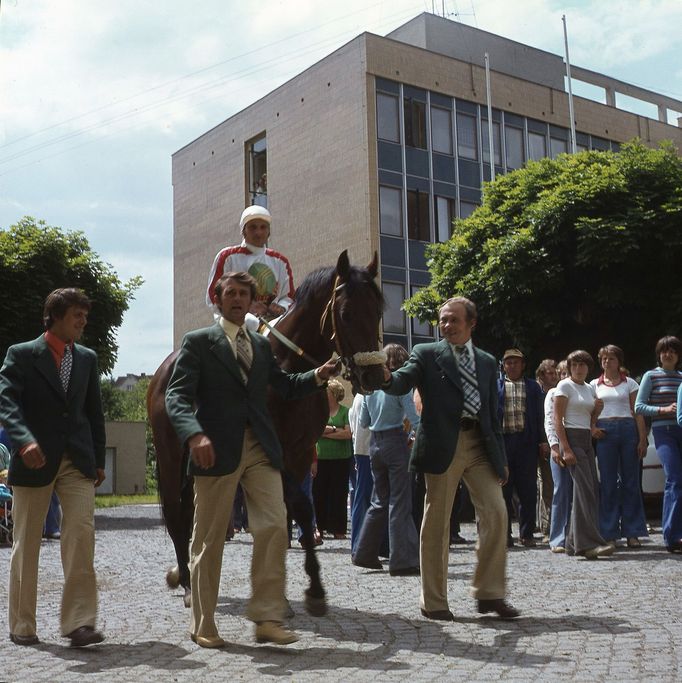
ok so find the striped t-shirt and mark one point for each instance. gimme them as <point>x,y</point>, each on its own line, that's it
<point>657,390</point>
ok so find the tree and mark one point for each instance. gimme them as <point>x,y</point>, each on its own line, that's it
<point>570,253</point>
<point>34,260</point>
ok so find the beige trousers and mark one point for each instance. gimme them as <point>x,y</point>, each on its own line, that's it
<point>29,507</point>
<point>471,464</point>
<point>213,499</point>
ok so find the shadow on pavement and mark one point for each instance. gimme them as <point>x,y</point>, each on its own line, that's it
<point>111,656</point>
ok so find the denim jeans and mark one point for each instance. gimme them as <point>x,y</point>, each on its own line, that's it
<point>668,440</point>
<point>562,501</point>
<point>621,510</point>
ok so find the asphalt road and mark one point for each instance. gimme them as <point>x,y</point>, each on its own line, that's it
<point>616,619</point>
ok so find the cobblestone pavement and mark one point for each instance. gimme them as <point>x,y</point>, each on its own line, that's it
<point>616,619</point>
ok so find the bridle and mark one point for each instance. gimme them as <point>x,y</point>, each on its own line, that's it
<point>359,359</point>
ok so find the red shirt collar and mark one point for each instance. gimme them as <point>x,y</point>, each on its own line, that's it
<point>56,345</point>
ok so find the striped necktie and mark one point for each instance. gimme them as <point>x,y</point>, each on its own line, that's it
<point>244,354</point>
<point>467,372</point>
<point>65,368</point>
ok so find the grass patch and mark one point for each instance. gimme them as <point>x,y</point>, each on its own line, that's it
<point>116,501</point>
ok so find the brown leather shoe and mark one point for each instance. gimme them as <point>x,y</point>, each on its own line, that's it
<point>23,640</point>
<point>212,642</point>
<point>503,610</point>
<point>274,632</point>
<point>528,542</point>
<point>85,635</point>
<point>439,614</point>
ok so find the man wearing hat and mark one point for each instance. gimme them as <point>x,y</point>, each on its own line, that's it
<point>270,269</point>
<point>521,414</point>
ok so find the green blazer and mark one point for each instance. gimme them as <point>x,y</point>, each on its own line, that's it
<point>432,368</point>
<point>206,394</point>
<point>34,408</point>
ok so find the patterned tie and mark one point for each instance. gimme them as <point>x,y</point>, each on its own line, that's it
<point>65,368</point>
<point>472,397</point>
<point>244,354</point>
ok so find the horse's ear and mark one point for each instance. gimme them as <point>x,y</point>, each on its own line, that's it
<point>343,265</point>
<point>373,267</point>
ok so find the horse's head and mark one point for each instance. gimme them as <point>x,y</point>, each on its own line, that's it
<point>353,315</point>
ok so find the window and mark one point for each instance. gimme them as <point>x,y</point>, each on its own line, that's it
<point>257,157</point>
<point>445,213</point>
<point>497,147</point>
<point>388,127</point>
<point>441,130</point>
<point>418,328</point>
<point>557,147</point>
<point>394,317</point>
<point>513,145</point>
<point>390,211</point>
<point>467,143</point>
<point>418,215</point>
<point>466,209</point>
<point>415,123</point>
<point>537,146</point>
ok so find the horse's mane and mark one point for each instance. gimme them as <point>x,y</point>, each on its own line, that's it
<point>322,279</point>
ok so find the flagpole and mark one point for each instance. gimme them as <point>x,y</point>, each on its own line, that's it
<point>491,142</point>
<point>574,147</point>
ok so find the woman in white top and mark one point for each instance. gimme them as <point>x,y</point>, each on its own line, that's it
<point>621,444</point>
<point>575,411</point>
<point>562,494</point>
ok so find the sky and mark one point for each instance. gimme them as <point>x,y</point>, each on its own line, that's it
<point>96,96</point>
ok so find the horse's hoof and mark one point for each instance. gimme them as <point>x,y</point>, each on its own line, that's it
<point>187,598</point>
<point>316,607</point>
<point>173,577</point>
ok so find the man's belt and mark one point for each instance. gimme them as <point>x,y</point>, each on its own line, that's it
<point>467,423</point>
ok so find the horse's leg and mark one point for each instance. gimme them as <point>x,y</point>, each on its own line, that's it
<point>299,503</point>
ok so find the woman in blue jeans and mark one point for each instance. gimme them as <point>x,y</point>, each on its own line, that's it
<point>658,399</point>
<point>621,443</point>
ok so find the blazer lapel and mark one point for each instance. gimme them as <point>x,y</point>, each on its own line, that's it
<point>447,363</point>
<point>221,348</point>
<point>482,376</point>
<point>79,372</point>
<point>46,365</point>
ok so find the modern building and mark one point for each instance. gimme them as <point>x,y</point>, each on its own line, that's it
<point>379,146</point>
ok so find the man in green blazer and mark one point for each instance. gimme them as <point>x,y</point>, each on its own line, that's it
<point>459,437</point>
<point>51,407</point>
<point>216,401</point>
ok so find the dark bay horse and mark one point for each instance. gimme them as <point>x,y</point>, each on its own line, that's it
<point>336,309</point>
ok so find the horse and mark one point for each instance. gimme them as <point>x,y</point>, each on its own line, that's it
<point>335,310</point>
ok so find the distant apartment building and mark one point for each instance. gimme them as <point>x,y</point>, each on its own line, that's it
<point>378,147</point>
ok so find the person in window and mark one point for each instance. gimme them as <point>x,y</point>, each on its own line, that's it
<point>657,399</point>
<point>270,269</point>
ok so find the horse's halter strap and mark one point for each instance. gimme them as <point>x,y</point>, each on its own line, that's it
<point>360,358</point>
<point>330,312</point>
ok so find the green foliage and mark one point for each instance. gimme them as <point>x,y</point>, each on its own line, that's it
<point>132,406</point>
<point>570,253</point>
<point>34,260</point>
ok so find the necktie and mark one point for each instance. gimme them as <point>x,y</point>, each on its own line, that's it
<point>65,368</point>
<point>472,397</point>
<point>244,354</point>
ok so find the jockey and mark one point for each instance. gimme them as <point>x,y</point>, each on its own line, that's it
<point>270,269</point>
